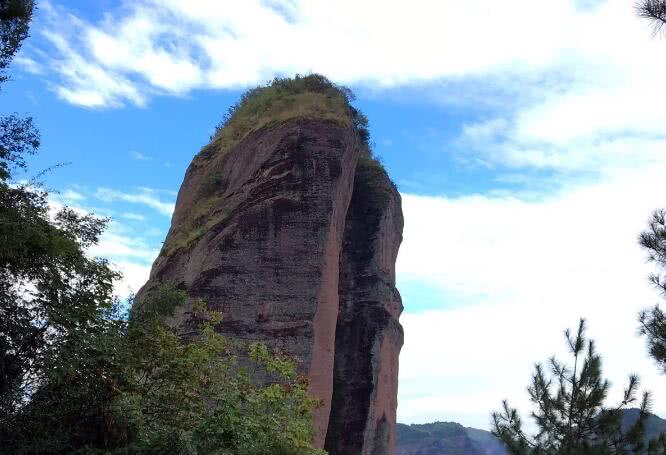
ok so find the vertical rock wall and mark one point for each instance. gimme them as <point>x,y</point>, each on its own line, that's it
<point>272,243</point>
<point>368,334</point>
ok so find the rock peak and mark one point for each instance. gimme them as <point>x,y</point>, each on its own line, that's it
<point>288,226</point>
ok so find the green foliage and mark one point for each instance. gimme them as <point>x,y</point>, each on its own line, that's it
<point>194,397</point>
<point>570,413</point>
<point>18,138</point>
<point>311,96</point>
<point>653,240</point>
<point>50,291</point>
<point>653,321</point>
<point>414,433</point>
<point>15,16</point>
<point>137,386</point>
<point>52,295</point>
<point>54,299</point>
<point>653,10</point>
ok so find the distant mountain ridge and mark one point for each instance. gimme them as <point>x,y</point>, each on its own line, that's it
<point>450,438</point>
<point>654,426</point>
<point>446,438</point>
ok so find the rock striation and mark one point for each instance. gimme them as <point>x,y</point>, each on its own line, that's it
<point>288,226</point>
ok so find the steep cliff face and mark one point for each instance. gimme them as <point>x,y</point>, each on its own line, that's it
<point>368,334</point>
<point>264,231</point>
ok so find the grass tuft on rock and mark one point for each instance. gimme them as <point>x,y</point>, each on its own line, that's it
<point>312,96</point>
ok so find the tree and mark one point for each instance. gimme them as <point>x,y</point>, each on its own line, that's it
<point>15,16</point>
<point>51,292</point>
<point>196,397</point>
<point>654,10</point>
<point>139,387</point>
<point>570,413</point>
<point>653,321</point>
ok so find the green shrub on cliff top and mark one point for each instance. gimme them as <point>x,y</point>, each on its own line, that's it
<point>311,96</point>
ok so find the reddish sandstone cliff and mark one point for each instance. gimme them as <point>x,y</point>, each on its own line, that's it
<point>368,334</point>
<point>264,231</point>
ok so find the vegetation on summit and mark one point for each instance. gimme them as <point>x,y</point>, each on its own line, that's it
<point>311,96</point>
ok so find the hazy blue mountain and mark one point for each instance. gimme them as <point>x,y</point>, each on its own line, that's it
<point>487,441</point>
<point>654,426</point>
<point>445,438</point>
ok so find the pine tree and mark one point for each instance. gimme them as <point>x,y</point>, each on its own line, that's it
<point>654,10</point>
<point>570,411</point>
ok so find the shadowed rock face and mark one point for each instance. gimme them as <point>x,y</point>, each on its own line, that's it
<point>368,334</point>
<point>274,244</point>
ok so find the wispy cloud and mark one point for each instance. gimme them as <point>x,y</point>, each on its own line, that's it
<point>68,196</point>
<point>133,216</point>
<point>29,65</point>
<point>114,245</point>
<point>88,83</point>
<point>143,196</point>
<point>140,156</point>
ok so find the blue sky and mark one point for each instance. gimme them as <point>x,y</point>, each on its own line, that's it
<point>529,155</point>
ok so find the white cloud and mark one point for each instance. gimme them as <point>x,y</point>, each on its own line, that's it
<point>68,197</point>
<point>113,245</point>
<point>530,269</point>
<point>144,196</point>
<point>596,111</point>
<point>88,82</point>
<point>175,46</point>
<point>128,253</point>
<point>73,195</point>
<point>134,276</point>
